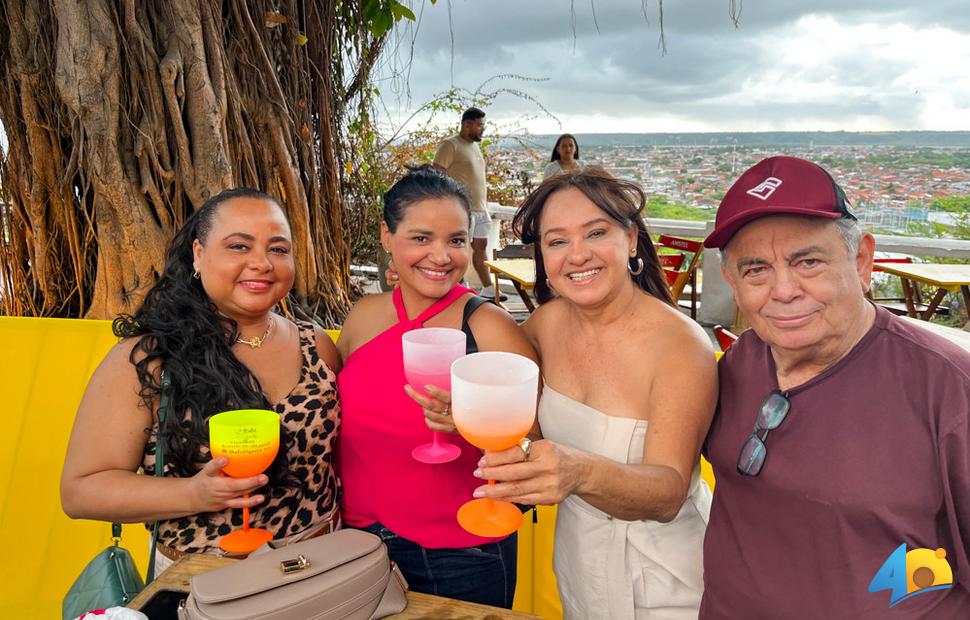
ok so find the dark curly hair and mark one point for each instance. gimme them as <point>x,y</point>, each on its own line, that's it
<point>622,201</point>
<point>178,326</point>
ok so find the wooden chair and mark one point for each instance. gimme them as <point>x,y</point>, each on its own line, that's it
<point>725,338</point>
<point>671,265</point>
<point>897,305</point>
<point>678,275</point>
<point>514,251</point>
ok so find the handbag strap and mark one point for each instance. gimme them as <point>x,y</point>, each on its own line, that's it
<point>166,402</point>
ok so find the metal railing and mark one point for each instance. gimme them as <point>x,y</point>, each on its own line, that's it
<point>677,228</point>
<point>718,301</point>
<point>914,246</point>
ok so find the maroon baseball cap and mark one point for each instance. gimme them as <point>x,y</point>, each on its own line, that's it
<point>776,186</point>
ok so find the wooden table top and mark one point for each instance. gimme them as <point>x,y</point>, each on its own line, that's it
<point>521,270</point>
<point>419,605</point>
<point>942,276</point>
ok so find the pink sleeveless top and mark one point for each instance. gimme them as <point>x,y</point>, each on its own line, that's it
<point>380,426</point>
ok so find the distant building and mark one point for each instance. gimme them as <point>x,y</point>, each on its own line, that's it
<point>895,218</point>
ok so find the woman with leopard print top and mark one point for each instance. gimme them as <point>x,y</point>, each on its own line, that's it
<point>209,323</point>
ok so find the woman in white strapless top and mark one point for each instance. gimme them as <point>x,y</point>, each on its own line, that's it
<point>630,388</point>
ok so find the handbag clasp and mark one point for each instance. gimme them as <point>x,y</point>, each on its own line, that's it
<point>294,565</point>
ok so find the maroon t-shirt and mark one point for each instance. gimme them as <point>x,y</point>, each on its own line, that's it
<point>874,453</point>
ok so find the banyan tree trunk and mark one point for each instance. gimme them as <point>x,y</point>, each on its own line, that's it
<point>122,116</point>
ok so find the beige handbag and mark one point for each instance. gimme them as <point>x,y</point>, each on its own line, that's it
<point>345,575</point>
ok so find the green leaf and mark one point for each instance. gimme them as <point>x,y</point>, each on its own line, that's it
<point>401,11</point>
<point>371,9</point>
<point>382,23</point>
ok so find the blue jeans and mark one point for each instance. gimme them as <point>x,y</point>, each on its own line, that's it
<point>484,574</point>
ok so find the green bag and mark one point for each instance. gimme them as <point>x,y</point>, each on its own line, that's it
<point>109,580</point>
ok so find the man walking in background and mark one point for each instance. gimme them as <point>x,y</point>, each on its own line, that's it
<point>461,158</point>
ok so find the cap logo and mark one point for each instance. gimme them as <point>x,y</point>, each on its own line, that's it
<point>765,189</point>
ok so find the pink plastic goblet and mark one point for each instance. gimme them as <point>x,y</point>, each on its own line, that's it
<point>428,355</point>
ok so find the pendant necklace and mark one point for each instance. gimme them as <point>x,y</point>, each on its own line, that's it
<point>257,341</point>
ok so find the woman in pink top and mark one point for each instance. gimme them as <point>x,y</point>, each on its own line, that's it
<point>412,506</point>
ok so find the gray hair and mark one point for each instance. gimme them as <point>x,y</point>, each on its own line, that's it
<point>849,229</point>
<point>851,232</point>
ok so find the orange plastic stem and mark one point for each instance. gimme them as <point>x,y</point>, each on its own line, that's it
<point>246,514</point>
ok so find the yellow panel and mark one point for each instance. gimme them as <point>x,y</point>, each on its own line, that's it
<point>536,591</point>
<point>707,473</point>
<point>547,592</point>
<point>46,365</point>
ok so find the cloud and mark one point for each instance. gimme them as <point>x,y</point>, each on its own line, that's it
<point>790,65</point>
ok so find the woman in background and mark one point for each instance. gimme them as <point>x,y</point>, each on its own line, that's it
<point>209,324</point>
<point>412,506</point>
<point>565,157</point>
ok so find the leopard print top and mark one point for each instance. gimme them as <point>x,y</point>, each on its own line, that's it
<point>310,417</point>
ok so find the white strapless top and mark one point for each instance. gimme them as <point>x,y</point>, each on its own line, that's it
<point>609,568</point>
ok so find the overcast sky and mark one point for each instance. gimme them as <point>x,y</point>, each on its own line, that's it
<point>855,65</point>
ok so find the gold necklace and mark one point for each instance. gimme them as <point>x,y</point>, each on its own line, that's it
<point>257,341</point>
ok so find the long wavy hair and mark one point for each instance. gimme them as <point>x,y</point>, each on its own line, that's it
<point>179,327</point>
<point>555,148</point>
<point>622,201</point>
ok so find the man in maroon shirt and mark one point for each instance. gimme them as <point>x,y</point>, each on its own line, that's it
<point>841,438</point>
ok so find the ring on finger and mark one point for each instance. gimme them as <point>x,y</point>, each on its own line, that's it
<point>526,445</point>
<point>446,410</point>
